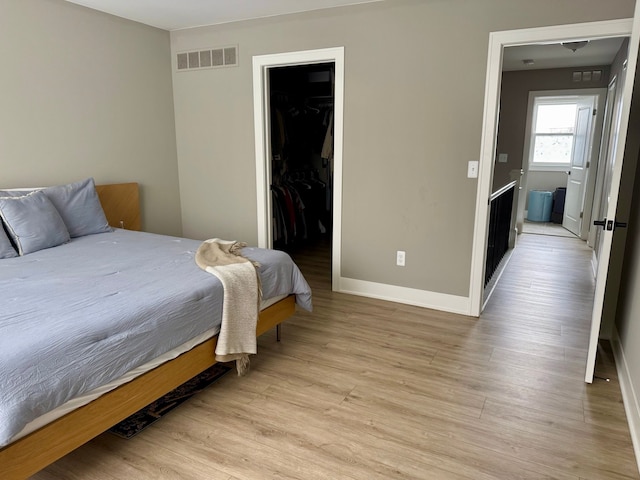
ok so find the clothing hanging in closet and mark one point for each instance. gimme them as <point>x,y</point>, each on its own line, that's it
<point>298,208</point>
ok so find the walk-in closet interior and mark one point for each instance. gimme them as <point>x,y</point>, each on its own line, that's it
<point>301,113</point>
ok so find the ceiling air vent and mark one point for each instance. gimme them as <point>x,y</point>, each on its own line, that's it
<point>209,58</point>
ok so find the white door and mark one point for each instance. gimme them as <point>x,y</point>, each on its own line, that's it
<point>608,205</point>
<point>608,129</point>
<point>603,174</point>
<point>577,174</point>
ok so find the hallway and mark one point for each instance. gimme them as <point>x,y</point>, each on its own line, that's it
<point>542,304</point>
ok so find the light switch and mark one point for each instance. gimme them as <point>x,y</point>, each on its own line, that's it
<point>472,170</point>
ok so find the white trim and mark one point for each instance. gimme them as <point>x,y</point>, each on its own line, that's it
<point>410,296</point>
<point>263,177</point>
<point>497,41</point>
<point>338,141</point>
<point>261,64</point>
<point>629,397</point>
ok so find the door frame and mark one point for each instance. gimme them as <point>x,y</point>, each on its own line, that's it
<point>497,42</point>
<point>261,66</point>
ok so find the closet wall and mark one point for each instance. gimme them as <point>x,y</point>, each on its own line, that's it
<point>301,110</point>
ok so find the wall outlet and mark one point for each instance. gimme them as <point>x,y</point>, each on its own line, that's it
<point>400,258</point>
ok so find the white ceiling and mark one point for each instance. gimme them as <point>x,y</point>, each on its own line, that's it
<point>596,52</point>
<point>177,14</point>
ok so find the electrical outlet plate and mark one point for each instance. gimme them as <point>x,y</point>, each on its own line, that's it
<point>400,258</point>
<point>472,170</point>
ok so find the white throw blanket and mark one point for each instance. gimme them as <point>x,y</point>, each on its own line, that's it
<point>241,303</point>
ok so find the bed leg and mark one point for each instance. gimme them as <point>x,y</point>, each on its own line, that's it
<point>278,332</point>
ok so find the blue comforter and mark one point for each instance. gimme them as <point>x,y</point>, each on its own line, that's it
<point>82,314</point>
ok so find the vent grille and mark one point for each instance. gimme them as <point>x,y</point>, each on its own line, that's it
<point>209,58</point>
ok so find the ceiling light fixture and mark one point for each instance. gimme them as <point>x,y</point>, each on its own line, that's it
<point>573,46</point>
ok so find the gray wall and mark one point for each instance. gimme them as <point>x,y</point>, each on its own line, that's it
<point>414,91</point>
<point>628,314</point>
<point>623,282</point>
<point>624,270</point>
<point>87,94</point>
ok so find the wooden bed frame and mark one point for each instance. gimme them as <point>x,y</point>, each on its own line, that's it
<point>32,453</point>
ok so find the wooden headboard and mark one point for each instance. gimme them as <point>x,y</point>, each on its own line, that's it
<point>121,204</point>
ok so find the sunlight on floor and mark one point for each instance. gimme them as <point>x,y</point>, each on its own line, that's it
<point>546,228</point>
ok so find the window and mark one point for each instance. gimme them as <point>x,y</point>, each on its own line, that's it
<point>552,133</point>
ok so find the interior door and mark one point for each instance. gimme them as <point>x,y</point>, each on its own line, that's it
<point>605,166</point>
<point>601,180</point>
<point>610,194</point>
<point>577,174</point>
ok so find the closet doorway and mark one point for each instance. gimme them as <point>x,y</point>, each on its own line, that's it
<point>301,101</point>
<point>298,100</point>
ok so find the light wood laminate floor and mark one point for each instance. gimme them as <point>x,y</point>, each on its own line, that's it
<point>546,228</point>
<point>365,389</point>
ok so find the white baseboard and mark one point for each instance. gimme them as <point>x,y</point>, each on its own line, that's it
<point>629,397</point>
<point>410,296</point>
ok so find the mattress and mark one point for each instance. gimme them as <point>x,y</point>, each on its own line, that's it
<point>85,398</point>
<point>83,314</point>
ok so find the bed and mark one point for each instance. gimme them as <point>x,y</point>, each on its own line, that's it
<point>173,299</point>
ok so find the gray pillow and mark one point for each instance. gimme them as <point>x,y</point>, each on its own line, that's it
<point>6,249</point>
<point>33,222</point>
<point>78,205</point>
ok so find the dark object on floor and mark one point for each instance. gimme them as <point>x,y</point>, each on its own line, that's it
<point>558,204</point>
<point>144,417</point>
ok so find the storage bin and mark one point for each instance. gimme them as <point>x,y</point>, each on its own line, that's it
<point>540,202</point>
<point>557,212</point>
